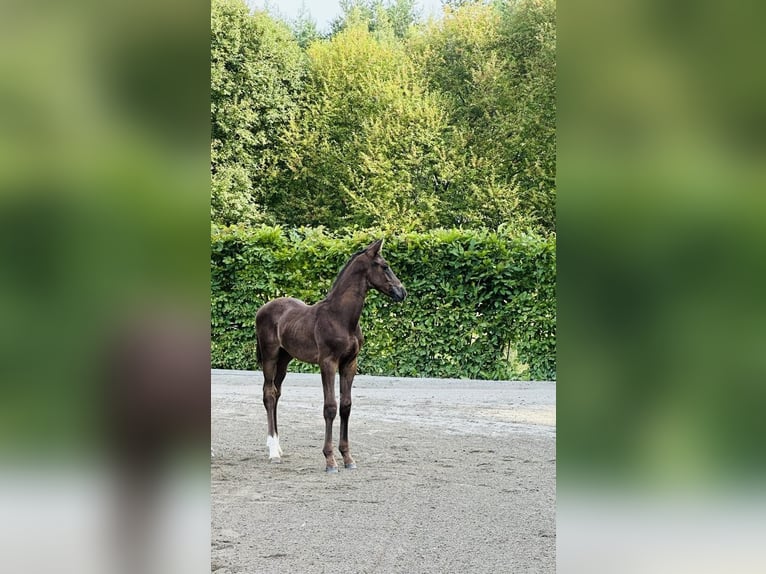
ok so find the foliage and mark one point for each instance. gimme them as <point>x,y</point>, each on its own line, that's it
<point>528,35</point>
<point>257,72</point>
<point>495,65</point>
<point>389,122</point>
<point>406,128</point>
<point>369,144</point>
<point>480,304</point>
<point>304,28</point>
<point>383,19</point>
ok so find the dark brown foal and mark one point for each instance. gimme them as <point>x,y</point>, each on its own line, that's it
<point>326,333</point>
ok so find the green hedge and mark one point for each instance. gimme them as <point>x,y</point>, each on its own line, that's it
<point>480,304</point>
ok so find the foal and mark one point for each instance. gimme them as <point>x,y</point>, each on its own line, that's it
<point>326,333</point>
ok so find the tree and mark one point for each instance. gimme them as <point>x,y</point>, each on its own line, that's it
<point>385,123</point>
<point>257,73</point>
<point>495,65</point>
<point>528,36</point>
<point>368,147</point>
<point>394,17</point>
<point>304,27</point>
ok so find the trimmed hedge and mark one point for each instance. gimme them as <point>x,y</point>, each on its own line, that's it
<point>480,304</point>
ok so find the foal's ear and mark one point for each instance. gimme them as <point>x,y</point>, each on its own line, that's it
<point>374,248</point>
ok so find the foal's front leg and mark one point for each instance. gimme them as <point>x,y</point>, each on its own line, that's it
<point>347,373</point>
<point>328,368</point>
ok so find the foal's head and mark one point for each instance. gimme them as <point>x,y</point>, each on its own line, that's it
<point>379,275</point>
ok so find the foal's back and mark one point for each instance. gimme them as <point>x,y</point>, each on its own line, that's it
<point>287,323</point>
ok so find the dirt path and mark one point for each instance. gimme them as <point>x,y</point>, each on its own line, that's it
<point>454,476</point>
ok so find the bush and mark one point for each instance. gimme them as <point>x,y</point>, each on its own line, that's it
<point>480,304</point>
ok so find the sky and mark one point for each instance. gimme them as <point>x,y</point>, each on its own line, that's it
<point>324,11</point>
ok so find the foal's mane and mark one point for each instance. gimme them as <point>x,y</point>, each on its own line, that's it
<point>342,271</point>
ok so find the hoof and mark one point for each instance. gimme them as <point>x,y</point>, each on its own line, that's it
<point>275,460</point>
<point>351,466</point>
<point>331,469</point>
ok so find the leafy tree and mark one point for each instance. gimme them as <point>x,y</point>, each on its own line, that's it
<point>304,27</point>
<point>369,147</point>
<point>394,17</point>
<point>528,36</point>
<point>495,65</point>
<point>257,72</point>
<point>402,14</point>
<point>385,123</point>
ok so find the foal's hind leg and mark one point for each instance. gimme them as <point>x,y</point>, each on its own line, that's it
<point>274,371</point>
<point>347,373</point>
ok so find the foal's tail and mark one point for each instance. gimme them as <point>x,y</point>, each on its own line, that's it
<point>258,357</point>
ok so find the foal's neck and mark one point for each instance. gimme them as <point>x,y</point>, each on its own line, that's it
<point>346,297</point>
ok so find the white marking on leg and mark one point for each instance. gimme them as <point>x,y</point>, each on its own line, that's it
<point>274,449</point>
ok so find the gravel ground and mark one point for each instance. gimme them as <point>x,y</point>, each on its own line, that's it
<point>453,476</point>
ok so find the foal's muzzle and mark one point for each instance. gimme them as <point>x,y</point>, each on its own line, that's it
<point>399,293</point>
